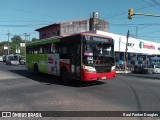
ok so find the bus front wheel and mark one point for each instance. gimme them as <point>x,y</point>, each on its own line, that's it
<point>64,75</point>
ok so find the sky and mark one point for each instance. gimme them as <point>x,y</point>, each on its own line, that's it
<point>24,16</point>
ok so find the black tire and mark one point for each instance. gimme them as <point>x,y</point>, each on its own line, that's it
<point>36,70</point>
<point>64,75</point>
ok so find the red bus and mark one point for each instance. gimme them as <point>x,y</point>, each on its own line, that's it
<point>83,57</point>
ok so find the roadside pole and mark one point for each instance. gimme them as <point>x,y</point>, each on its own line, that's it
<point>8,34</point>
<point>125,56</point>
<point>25,34</point>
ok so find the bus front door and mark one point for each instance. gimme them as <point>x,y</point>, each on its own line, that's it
<point>75,61</point>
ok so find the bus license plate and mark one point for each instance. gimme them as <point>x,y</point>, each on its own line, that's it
<point>103,78</point>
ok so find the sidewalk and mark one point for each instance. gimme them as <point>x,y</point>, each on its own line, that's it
<point>123,71</point>
<point>153,76</point>
<point>5,75</point>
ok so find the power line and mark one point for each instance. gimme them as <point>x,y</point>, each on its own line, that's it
<point>157,3</point>
<point>124,12</point>
<point>31,12</point>
<point>26,21</point>
<point>142,24</point>
<point>151,4</point>
<point>24,25</point>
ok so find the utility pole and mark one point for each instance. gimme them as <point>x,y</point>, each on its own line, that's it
<point>8,34</point>
<point>119,49</point>
<point>125,56</point>
<point>136,32</point>
<point>136,61</point>
<point>25,34</point>
<point>28,37</point>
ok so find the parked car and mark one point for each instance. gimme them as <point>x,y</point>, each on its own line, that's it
<point>4,58</point>
<point>154,69</point>
<point>1,58</point>
<point>22,61</point>
<point>12,61</point>
<point>140,69</point>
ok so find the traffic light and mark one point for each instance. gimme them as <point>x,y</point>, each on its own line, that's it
<point>130,13</point>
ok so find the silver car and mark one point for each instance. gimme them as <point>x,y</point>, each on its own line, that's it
<point>23,61</point>
<point>154,69</point>
<point>1,58</point>
<point>12,61</point>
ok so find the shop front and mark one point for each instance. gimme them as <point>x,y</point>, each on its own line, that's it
<point>139,52</point>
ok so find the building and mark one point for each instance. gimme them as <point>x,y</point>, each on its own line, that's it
<point>138,51</point>
<point>77,26</point>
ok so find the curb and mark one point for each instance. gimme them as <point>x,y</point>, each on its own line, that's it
<point>123,71</point>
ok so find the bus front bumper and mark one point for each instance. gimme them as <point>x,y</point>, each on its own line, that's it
<point>97,76</point>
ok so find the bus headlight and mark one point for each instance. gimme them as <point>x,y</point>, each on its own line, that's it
<point>113,68</point>
<point>89,69</point>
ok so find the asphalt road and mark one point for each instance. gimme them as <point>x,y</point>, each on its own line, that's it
<point>21,90</point>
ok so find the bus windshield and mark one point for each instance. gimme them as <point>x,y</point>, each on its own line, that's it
<point>98,51</point>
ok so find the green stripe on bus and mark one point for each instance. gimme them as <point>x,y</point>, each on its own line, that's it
<point>43,42</point>
<point>39,59</point>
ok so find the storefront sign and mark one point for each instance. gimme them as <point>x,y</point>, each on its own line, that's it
<point>130,44</point>
<point>146,46</point>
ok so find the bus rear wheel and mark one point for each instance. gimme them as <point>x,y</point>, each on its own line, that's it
<point>64,75</point>
<point>36,71</point>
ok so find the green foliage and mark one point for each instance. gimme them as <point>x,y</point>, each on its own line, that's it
<point>23,51</point>
<point>16,39</point>
<point>1,49</point>
<point>34,39</point>
<point>14,45</point>
<point>2,44</point>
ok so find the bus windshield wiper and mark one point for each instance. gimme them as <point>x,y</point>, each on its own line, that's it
<point>99,55</point>
<point>97,59</point>
<point>109,60</point>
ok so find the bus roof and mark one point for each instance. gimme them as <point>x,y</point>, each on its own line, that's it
<point>57,38</point>
<point>94,34</point>
<point>87,34</point>
<point>45,41</point>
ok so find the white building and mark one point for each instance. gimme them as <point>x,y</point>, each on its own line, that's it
<point>138,51</point>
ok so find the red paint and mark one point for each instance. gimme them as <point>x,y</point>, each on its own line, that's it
<point>148,46</point>
<point>48,31</point>
<point>66,65</point>
<point>99,61</point>
<point>96,76</point>
<point>88,54</point>
<point>50,60</point>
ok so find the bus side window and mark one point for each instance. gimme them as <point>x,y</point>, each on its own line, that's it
<point>53,48</point>
<point>35,50</point>
<point>46,49</point>
<point>40,50</point>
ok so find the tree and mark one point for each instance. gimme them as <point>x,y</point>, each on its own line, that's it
<point>34,39</point>
<point>14,45</point>
<point>2,51</point>
<point>16,40</point>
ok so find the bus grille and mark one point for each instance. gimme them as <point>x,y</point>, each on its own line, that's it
<point>102,69</point>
